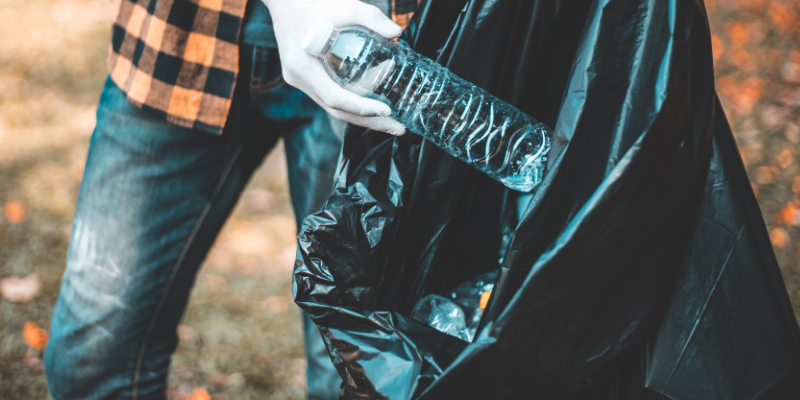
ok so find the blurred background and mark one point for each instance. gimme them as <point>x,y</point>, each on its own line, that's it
<point>241,338</point>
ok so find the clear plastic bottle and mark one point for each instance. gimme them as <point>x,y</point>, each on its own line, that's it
<point>459,117</point>
<point>443,315</point>
<point>472,297</point>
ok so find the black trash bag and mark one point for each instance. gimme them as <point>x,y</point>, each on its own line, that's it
<point>642,267</point>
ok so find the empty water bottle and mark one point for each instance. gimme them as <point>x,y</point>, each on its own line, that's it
<point>472,297</point>
<point>458,314</point>
<point>459,117</point>
<point>443,315</point>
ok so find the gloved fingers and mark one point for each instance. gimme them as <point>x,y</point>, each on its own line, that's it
<point>366,15</point>
<point>335,97</point>
<point>383,124</point>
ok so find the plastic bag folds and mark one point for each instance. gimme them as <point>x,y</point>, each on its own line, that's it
<point>641,268</point>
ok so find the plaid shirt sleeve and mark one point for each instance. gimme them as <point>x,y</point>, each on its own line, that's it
<point>178,58</point>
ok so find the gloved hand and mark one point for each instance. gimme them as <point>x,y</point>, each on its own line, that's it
<point>292,19</point>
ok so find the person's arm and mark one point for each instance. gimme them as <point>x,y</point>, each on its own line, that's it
<point>291,20</point>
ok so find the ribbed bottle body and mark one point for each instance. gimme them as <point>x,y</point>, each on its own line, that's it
<point>459,117</point>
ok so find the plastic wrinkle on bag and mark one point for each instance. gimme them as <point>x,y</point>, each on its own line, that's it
<point>641,269</point>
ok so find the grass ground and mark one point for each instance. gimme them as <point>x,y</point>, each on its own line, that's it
<point>241,338</point>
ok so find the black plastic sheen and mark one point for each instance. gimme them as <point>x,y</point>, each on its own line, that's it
<point>642,268</point>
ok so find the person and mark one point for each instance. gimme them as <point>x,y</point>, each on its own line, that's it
<point>194,100</point>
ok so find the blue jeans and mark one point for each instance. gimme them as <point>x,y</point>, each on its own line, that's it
<point>153,198</point>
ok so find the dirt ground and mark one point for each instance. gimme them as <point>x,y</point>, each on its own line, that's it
<point>241,337</point>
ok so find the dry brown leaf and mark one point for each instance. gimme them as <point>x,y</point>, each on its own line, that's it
<point>185,333</point>
<point>780,16</point>
<point>35,336</point>
<point>737,33</point>
<point>200,393</point>
<point>785,158</point>
<point>779,237</point>
<point>766,174</point>
<point>485,299</point>
<point>20,290</point>
<point>14,211</point>
<point>789,214</point>
<point>743,94</point>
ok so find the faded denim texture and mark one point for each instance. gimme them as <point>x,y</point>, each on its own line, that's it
<point>152,200</point>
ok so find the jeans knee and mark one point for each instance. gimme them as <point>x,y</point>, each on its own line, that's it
<point>85,364</point>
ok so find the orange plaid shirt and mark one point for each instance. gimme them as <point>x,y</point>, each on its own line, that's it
<point>178,58</point>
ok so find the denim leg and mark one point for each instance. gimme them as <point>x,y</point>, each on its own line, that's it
<point>152,200</point>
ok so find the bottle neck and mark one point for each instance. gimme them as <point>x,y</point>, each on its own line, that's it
<point>327,48</point>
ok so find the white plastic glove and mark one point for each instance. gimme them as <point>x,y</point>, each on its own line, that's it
<point>292,19</point>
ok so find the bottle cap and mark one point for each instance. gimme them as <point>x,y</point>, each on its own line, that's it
<point>318,37</point>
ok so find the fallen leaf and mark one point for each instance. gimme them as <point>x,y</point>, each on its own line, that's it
<point>185,333</point>
<point>20,290</point>
<point>737,33</point>
<point>14,211</point>
<point>484,299</point>
<point>749,93</point>
<point>788,214</point>
<point>766,174</point>
<point>35,336</point>
<point>785,158</point>
<point>779,15</point>
<point>778,237</point>
<point>200,393</point>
